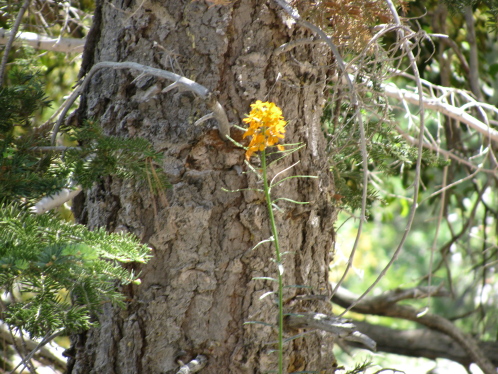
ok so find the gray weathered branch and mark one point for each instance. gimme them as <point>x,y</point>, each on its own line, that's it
<point>185,83</point>
<point>42,352</point>
<point>383,306</point>
<point>55,200</point>
<point>65,45</point>
<point>217,112</point>
<point>410,293</point>
<point>294,14</point>
<point>443,108</point>
<point>422,343</point>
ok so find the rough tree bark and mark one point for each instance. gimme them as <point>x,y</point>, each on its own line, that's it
<point>197,291</point>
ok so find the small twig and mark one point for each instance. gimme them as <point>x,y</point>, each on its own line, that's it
<point>438,227</point>
<point>411,293</point>
<point>59,148</point>
<point>193,366</point>
<point>26,360</point>
<point>355,102</point>
<point>451,185</point>
<point>203,119</point>
<point>15,27</point>
<point>473,76</point>
<point>44,351</point>
<point>295,43</point>
<point>170,87</point>
<point>418,164</point>
<point>341,328</point>
<point>444,152</point>
<point>464,227</point>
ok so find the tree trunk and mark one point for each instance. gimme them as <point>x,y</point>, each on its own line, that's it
<point>198,289</point>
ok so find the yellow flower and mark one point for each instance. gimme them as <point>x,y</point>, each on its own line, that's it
<point>266,126</point>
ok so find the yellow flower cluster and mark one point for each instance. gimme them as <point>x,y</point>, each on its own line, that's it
<point>266,126</point>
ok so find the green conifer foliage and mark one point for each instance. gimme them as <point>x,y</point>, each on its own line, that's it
<point>24,173</point>
<point>56,275</point>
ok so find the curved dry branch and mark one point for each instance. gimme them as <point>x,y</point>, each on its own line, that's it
<point>185,83</point>
<point>440,103</point>
<point>408,50</point>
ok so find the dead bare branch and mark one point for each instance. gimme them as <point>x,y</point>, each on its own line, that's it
<point>10,42</point>
<point>381,306</point>
<point>65,45</point>
<point>44,351</point>
<point>422,343</point>
<point>341,328</point>
<point>185,83</point>
<point>416,184</point>
<point>443,108</point>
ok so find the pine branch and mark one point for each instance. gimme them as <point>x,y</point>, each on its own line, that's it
<point>65,271</point>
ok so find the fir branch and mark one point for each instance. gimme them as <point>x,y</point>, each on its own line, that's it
<point>63,271</point>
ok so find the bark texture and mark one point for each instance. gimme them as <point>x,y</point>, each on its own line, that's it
<point>198,289</point>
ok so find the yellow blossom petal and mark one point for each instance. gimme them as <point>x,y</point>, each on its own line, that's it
<point>266,126</point>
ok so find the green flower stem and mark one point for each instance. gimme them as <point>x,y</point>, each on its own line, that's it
<point>274,232</point>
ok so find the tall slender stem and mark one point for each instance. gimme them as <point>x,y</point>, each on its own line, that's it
<point>278,257</point>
